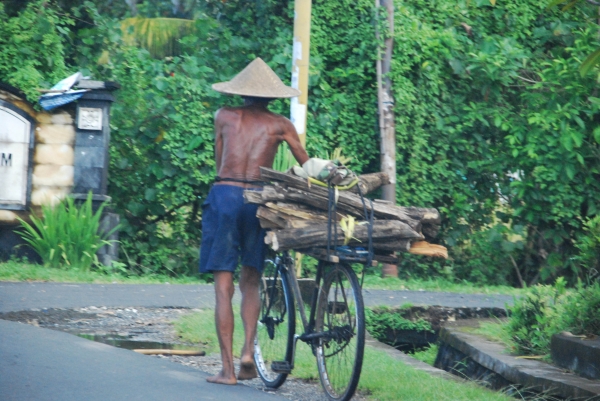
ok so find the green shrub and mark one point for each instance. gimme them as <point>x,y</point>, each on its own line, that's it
<point>67,235</point>
<point>34,46</point>
<point>548,310</point>
<point>589,249</point>
<point>536,316</point>
<point>582,311</point>
<point>379,320</point>
<point>488,257</point>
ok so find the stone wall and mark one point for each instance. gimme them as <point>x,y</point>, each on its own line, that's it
<point>53,156</point>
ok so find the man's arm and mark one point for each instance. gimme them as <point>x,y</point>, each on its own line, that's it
<point>291,137</point>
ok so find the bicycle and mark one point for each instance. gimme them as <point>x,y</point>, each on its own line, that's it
<point>335,327</point>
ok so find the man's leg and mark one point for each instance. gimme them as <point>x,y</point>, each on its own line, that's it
<point>249,285</point>
<point>224,321</point>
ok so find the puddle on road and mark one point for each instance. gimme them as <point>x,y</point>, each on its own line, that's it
<point>127,342</point>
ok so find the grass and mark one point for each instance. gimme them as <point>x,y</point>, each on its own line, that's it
<point>437,284</point>
<point>498,332</point>
<point>427,355</point>
<point>494,331</point>
<point>19,271</point>
<point>383,377</point>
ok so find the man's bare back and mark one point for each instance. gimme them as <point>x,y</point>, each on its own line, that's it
<point>247,138</point>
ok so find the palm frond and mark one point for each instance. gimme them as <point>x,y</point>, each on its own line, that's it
<point>157,35</point>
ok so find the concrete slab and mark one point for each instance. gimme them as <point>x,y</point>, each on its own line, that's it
<point>580,355</point>
<point>462,349</point>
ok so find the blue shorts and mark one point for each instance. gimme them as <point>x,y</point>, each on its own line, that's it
<point>230,230</point>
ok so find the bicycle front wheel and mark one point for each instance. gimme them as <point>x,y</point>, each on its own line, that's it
<point>276,325</point>
<point>341,321</point>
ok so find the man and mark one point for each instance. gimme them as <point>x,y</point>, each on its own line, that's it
<point>247,138</point>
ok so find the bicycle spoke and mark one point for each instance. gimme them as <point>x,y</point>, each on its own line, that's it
<point>340,317</point>
<point>276,325</point>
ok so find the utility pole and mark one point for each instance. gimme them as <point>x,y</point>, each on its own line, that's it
<point>387,125</point>
<point>301,58</point>
<point>300,64</point>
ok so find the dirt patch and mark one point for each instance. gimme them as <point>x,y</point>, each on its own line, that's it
<point>151,325</point>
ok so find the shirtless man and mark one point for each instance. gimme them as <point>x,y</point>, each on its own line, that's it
<point>247,138</point>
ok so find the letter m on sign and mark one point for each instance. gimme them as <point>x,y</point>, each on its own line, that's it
<point>6,160</point>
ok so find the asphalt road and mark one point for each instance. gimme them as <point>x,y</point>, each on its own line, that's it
<point>40,364</point>
<point>23,296</point>
<point>44,365</point>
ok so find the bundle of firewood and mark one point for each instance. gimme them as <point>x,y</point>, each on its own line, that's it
<point>296,214</point>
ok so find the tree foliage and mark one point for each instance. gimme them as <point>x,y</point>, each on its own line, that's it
<point>32,47</point>
<point>495,126</point>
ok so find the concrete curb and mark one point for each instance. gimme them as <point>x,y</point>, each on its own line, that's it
<point>463,348</point>
<point>409,360</point>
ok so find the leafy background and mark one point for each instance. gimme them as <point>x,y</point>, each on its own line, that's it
<point>495,126</point>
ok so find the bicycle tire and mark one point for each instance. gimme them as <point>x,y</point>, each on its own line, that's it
<point>276,327</point>
<point>341,316</point>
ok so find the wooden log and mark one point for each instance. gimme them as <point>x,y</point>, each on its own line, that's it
<point>308,197</point>
<point>273,219</point>
<point>366,182</point>
<point>430,230</point>
<point>370,182</point>
<point>346,200</point>
<point>321,254</point>
<point>426,249</point>
<point>169,352</point>
<point>253,197</point>
<point>270,219</point>
<point>401,245</point>
<point>267,225</point>
<point>299,212</point>
<point>316,235</point>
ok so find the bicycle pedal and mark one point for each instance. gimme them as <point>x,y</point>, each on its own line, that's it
<point>281,367</point>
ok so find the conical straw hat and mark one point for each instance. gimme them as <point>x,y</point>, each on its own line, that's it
<point>256,80</point>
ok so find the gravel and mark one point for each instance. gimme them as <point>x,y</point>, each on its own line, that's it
<point>154,325</point>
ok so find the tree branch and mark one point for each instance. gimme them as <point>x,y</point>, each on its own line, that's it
<point>527,80</point>
<point>518,272</point>
<point>593,2</point>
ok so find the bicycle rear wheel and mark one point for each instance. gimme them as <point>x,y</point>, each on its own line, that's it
<point>341,318</point>
<point>276,325</point>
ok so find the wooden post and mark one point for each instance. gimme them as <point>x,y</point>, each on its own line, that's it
<point>387,124</point>
<point>300,63</point>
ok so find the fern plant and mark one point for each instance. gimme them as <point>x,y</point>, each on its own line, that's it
<point>67,235</point>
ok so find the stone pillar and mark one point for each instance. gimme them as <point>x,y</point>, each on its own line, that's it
<point>92,139</point>
<point>92,125</point>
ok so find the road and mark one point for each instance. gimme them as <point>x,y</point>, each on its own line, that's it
<point>45,365</point>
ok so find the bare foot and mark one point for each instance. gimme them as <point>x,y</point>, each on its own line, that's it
<point>222,378</point>
<point>247,370</point>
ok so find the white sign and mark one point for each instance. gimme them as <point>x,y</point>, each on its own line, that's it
<point>297,50</point>
<point>15,134</point>
<point>298,115</point>
<point>90,118</point>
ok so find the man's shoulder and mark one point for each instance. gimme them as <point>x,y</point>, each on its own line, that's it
<point>227,113</point>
